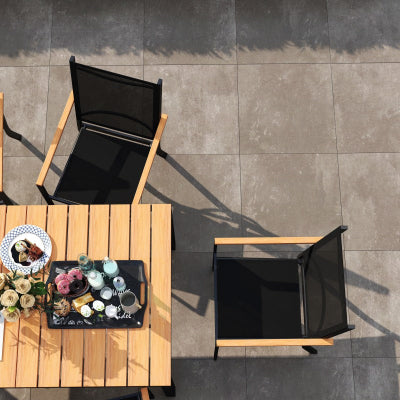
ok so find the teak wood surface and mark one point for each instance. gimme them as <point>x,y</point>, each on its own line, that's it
<point>35,356</point>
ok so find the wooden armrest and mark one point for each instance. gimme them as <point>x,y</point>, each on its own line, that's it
<point>1,139</point>
<point>273,342</point>
<point>56,140</point>
<point>150,159</point>
<point>268,240</point>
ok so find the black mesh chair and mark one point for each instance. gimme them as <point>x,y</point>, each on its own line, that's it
<point>281,302</point>
<point>120,127</point>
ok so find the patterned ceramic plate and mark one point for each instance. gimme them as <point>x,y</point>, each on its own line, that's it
<point>35,235</point>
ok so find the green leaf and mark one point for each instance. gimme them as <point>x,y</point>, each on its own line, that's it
<point>11,309</point>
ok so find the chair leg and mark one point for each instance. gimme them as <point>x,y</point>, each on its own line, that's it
<point>173,243</point>
<point>45,195</point>
<point>170,391</point>
<point>151,395</point>
<point>216,353</point>
<point>310,349</point>
<point>9,132</point>
<point>161,152</point>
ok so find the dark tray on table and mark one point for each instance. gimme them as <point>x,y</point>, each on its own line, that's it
<point>133,273</point>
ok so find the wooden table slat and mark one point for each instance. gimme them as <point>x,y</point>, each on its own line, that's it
<point>29,328</point>
<point>160,333</point>
<point>72,352</point>
<point>8,367</point>
<point>95,339</point>
<point>117,339</point>
<point>139,339</point>
<point>51,339</point>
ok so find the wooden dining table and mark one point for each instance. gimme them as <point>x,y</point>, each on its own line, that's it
<point>36,356</point>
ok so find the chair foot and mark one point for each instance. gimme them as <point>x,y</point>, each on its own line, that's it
<point>170,391</point>
<point>216,353</point>
<point>310,349</point>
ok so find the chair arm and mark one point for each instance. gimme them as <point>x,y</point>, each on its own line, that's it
<point>150,159</point>
<point>268,240</point>
<point>273,342</point>
<point>1,139</point>
<point>56,140</point>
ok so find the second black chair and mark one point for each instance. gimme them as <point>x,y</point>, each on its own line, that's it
<point>120,127</point>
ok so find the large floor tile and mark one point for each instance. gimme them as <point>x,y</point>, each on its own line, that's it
<point>81,393</point>
<point>22,190</point>
<point>203,379</point>
<point>282,31</point>
<point>366,107</point>
<point>373,289</point>
<point>59,88</point>
<point>376,378</point>
<point>25,32</point>
<point>25,104</point>
<point>286,109</point>
<point>15,394</point>
<point>50,393</point>
<point>193,308</point>
<point>294,378</point>
<point>290,194</point>
<point>204,191</point>
<point>370,190</point>
<point>189,32</point>
<point>364,31</point>
<point>106,32</point>
<point>202,105</point>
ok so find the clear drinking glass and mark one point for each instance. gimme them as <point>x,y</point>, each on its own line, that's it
<point>86,264</point>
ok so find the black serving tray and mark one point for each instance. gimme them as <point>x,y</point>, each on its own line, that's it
<point>133,273</point>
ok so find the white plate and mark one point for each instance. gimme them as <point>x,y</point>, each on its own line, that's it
<point>35,235</point>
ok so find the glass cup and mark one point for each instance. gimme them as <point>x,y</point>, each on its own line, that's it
<point>86,264</point>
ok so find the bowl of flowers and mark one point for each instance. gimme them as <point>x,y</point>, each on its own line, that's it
<point>20,294</point>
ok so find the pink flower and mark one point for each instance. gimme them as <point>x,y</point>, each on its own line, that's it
<point>75,274</point>
<point>63,286</point>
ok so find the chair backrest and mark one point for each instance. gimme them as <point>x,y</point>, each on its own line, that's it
<point>115,101</point>
<point>324,295</point>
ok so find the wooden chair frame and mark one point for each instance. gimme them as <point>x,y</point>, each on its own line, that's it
<point>306,343</point>
<point>154,149</point>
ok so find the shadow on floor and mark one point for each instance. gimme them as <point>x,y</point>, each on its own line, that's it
<point>260,25</point>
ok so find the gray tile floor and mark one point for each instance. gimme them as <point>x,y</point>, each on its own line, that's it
<point>284,119</point>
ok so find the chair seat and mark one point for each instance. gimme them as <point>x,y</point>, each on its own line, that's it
<point>257,298</point>
<point>102,169</point>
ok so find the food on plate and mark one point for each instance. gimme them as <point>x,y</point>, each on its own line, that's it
<point>62,307</point>
<point>21,246</point>
<point>63,286</point>
<point>60,278</point>
<point>34,253</point>
<point>81,301</point>
<point>86,311</point>
<point>22,257</point>
<point>75,274</point>
<point>76,286</point>
<point>26,252</point>
<point>98,305</point>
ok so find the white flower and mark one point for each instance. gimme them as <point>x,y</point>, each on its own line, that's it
<point>9,298</point>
